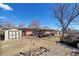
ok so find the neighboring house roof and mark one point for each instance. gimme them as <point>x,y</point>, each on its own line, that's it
<point>38,29</point>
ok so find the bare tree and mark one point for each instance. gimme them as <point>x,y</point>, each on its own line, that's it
<point>46,27</point>
<point>8,24</point>
<point>34,24</point>
<point>21,25</point>
<point>66,14</point>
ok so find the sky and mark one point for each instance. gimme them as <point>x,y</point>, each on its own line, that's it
<point>26,12</point>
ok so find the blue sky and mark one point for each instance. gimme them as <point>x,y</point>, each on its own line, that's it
<point>25,13</point>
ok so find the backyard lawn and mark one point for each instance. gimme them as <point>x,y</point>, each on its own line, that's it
<point>12,47</point>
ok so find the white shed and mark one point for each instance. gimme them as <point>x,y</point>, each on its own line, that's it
<point>12,34</point>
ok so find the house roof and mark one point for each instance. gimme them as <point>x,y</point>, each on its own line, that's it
<point>37,29</point>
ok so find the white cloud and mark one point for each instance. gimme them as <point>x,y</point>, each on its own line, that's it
<point>1,17</point>
<point>6,7</point>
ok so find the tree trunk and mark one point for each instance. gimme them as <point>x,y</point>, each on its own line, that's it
<point>0,37</point>
<point>62,37</point>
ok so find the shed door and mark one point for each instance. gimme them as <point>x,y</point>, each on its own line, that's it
<point>10,35</point>
<point>17,34</point>
<point>13,34</point>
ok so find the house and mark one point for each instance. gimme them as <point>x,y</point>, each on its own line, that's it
<point>37,32</point>
<point>10,33</point>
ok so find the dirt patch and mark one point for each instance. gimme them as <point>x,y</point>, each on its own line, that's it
<point>13,47</point>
